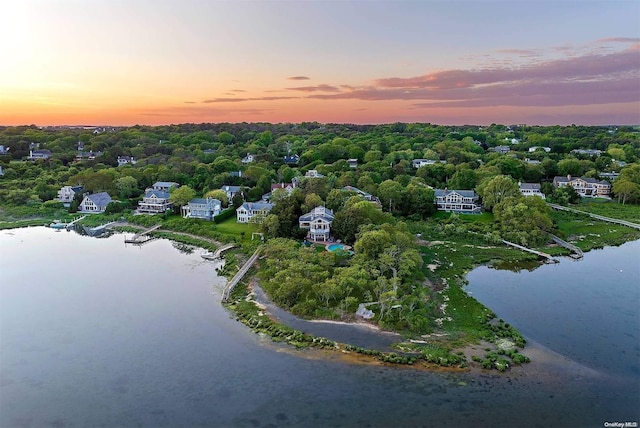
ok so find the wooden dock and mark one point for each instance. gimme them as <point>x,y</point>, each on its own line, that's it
<point>529,250</point>
<point>216,255</point>
<point>239,275</point>
<point>576,252</point>
<point>142,237</point>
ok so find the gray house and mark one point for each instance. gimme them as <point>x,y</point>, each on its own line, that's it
<point>205,209</point>
<point>95,203</point>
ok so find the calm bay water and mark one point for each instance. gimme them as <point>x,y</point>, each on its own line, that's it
<point>587,310</point>
<point>96,333</point>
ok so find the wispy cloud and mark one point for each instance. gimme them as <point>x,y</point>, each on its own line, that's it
<point>317,88</point>
<point>236,100</point>
<point>580,80</point>
<point>298,78</point>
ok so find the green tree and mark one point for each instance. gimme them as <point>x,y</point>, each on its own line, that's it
<point>496,189</point>
<point>390,193</point>
<point>126,186</point>
<point>523,220</point>
<point>220,195</point>
<point>181,196</point>
<point>626,190</point>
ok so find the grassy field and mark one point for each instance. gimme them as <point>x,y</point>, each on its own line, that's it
<point>587,233</point>
<point>611,209</point>
<point>241,232</point>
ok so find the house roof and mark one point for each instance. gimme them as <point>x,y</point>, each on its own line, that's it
<point>563,179</point>
<point>318,213</point>
<point>204,201</point>
<point>165,184</point>
<point>463,193</point>
<point>256,206</point>
<point>281,186</point>
<point>101,199</point>
<point>160,194</point>
<point>291,159</point>
<point>232,189</point>
<point>530,186</point>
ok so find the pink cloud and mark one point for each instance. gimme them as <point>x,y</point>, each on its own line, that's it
<point>235,100</point>
<point>298,78</point>
<point>317,88</point>
<point>581,80</point>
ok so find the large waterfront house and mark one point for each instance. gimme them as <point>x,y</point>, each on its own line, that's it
<point>67,193</point>
<point>585,187</point>
<point>318,222</point>
<point>531,189</point>
<point>204,208</point>
<point>458,201</point>
<point>95,203</point>
<point>253,212</point>
<point>154,202</point>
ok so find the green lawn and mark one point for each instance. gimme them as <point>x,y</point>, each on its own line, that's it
<point>484,218</point>
<point>232,228</point>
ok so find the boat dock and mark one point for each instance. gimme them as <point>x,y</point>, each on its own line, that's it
<point>596,216</point>
<point>216,255</point>
<point>142,237</point>
<point>239,275</point>
<point>576,252</point>
<point>529,250</point>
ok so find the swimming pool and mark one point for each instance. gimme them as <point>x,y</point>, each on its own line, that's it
<point>341,247</point>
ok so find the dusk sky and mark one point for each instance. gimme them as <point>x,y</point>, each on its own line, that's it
<point>127,62</point>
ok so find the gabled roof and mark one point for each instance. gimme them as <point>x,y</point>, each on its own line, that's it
<point>165,184</point>
<point>463,193</point>
<point>101,200</point>
<point>232,189</point>
<point>256,206</point>
<point>204,201</point>
<point>530,186</point>
<point>318,213</point>
<point>160,194</point>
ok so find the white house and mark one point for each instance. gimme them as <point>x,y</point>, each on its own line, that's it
<point>124,160</point>
<point>534,148</point>
<point>312,173</point>
<point>67,193</point>
<point>459,201</point>
<point>39,154</point>
<point>585,187</point>
<point>417,163</point>
<point>353,163</point>
<point>253,212</point>
<point>154,202</point>
<point>205,209</point>
<point>531,189</point>
<point>247,159</point>
<point>95,203</point>
<point>4,150</point>
<point>318,222</point>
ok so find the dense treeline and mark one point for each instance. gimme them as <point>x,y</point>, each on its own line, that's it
<point>203,157</point>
